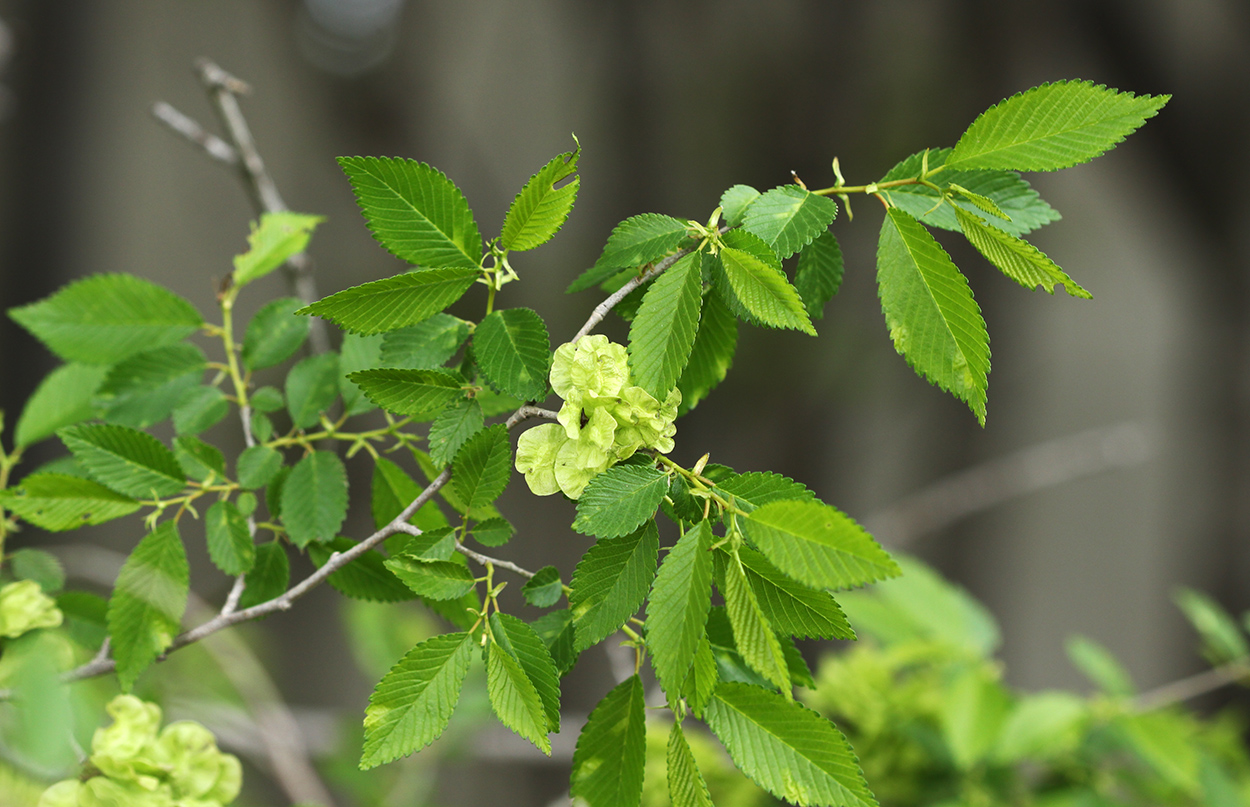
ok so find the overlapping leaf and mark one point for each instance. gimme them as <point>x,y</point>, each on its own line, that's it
<point>757,488</point>
<point>364,578</point>
<point>128,461</point>
<point>229,542</point>
<point>355,354</point>
<point>453,426</point>
<point>788,217</point>
<point>663,331</point>
<point>818,545</point>
<point>636,240</point>
<point>544,589</point>
<point>819,275</point>
<point>711,355</point>
<point>540,209</point>
<point>199,460</point>
<point>521,642</point>
<point>393,490</point>
<point>257,466</point>
<point>145,611</point>
<point>483,467</point>
<point>763,291</point>
<point>432,579</point>
<point>63,398</point>
<point>419,394</point>
<point>792,608</point>
<point>513,352</point>
<point>58,502</point>
<point>200,408</point>
<point>620,499</point>
<point>610,583</point>
<point>144,388</point>
<point>611,751</point>
<point>394,302</point>
<point>274,333</point>
<point>755,639</point>
<point>735,201</point>
<point>426,345</point>
<point>514,699</point>
<point>314,498</point>
<point>686,787</point>
<point>1018,259</point>
<point>678,606</point>
<point>312,386</point>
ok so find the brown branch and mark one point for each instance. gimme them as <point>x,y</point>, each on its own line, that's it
<point>1187,688</point>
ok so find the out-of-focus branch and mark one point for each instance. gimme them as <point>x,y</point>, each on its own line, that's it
<point>1198,684</point>
<point>189,128</point>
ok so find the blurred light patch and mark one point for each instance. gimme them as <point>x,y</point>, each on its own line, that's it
<point>348,37</point>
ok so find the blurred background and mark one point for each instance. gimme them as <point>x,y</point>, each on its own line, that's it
<point>1115,464</point>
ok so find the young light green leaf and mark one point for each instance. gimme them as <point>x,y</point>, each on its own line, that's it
<point>611,751</point>
<point>663,331</point>
<point>1052,126</point>
<point>619,500</point>
<point>145,611</point>
<point>540,209</point>
<point>520,642</point>
<point>365,578</point>
<point>419,394</point>
<point>269,577</point>
<point>453,426</point>
<point>818,545</point>
<point>58,502</point>
<point>735,201</point>
<point>394,302</point>
<point>790,607</point>
<point>636,240</point>
<point>787,749</point>
<point>556,629</point>
<point>483,467</point>
<point>355,354</point>
<point>393,490</point>
<point>755,639</point>
<point>819,275</point>
<point>229,542</point>
<point>314,498</point>
<point>788,217</point>
<point>199,408</point>
<point>199,460</point>
<point>145,388</point>
<point>128,461</point>
<point>426,345</point>
<point>414,211</point>
<point>1018,259</point>
<point>764,291</point>
<point>1100,666</point>
<point>274,334</point>
<point>311,388</point>
<point>1222,639</point>
<point>544,589</point>
<point>686,787</point>
<point>983,203</point>
<point>1165,741</point>
<point>677,609</point>
<point>103,319</point>
<point>432,579</point>
<point>610,583</point>
<point>492,532</point>
<point>933,320</point>
<point>514,699</point>
<point>63,398</point>
<point>257,466</point>
<point>278,236</point>
<point>513,352</point>
<point>711,355</point>
<point>413,702</point>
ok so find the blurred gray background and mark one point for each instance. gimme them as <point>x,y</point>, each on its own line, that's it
<point>672,103</point>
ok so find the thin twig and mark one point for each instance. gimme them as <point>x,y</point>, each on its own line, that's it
<point>526,412</point>
<point>1193,686</point>
<point>487,559</point>
<point>189,128</point>
<point>240,582</point>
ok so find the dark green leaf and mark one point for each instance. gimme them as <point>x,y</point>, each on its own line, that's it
<point>145,611</point>
<point>394,490</point>
<point>267,399</point>
<point>619,500</point>
<point>635,241</point>
<point>544,589</point>
<point>146,387</point>
<point>677,609</point>
<point>314,498</point>
<point>58,502</point>
<point>419,394</point>
<point>274,334</point>
<point>787,218</point>
<point>711,355</point>
<point>269,576</point>
<point>663,331</point>
<point>449,492</point>
<point>229,542</point>
<point>199,460</point>
<point>394,302</point>
<point>819,274</point>
<point>611,751</point>
<point>453,426</point>
<point>432,579</point>
<point>492,532</point>
<point>262,427</point>
<point>63,398</point>
<point>556,629</point>
<point>513,352</point>
<point>311,388</point>
<point>198,409</point>
<point>483,467</point>
<point>540,209</point>
<point>610,583</point>
<point>426,345</point>
<point>365,578</point>
<point>257,466</point>
<point>357,353</point>
<point>125,460</point>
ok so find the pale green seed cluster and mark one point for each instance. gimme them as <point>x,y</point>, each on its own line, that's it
<point>604,420</point>
<point>179,766</point>
<point>24,607</point>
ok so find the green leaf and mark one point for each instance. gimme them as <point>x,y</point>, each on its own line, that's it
<point>278,236</point>
<point>365,578</point>
<point>1004,189</point>
<point>40,566</point>
<point>819,274</point>
<point>393,490</point>
<point>764,291</point>
<point>145,388</point>
<point>394,302</point>
<point>414,211</point>
<point>735,201</point>
<point>63,398</point>
<point>636,240</point>
<point>788,217</point>
<point>973,709</point>
<point>1222,639</point>
<point>452,427</point>
<point>432,579</point>
<point>419,394</point>
<point>269,577</point>
<point>199,460</point>
<point>413,702</point>
<point>1100,666</point>
<point>513,352</point>
<point>520,642</point>
<point>267,399</point>
<point>710,356</point>
<point>125,460</point>
<point>199,409</point>
<point>514,699</point>
<point>60,502</point>
<point>450,493</point>
<point>677,609</point>
<point>686,787</point>
<point>619,500</point>
<point>544,589</point>
<point>314,498</point>
<point>663,331</point>
<point>983,203</point>
<point>426,345</point>
<point>492,532</point>
<point>145,611</point>
<point>787,749</point>
<point>556,629</point>
<point>483,467</point>
<point>540,209</point>
<point>1018,260</point>
<point>790,607</point>
<point>274,334</point>
<point>818,545</point>
<point>758,488</point>
<point>611,750</point>
<point>1165,740</point>
<point>755,639</point>
<point>311,388</point>
<point>610,583</point>
<point>357,353</point>
<point>229,542</point>
<point>702,679</point>
<point>104,319</point>
<point>434,544</point>
<point>1052,126</point>
<point>1041,726</point>
<point>257,466</point>
<point>933,320</point>
<point>728,662</point>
